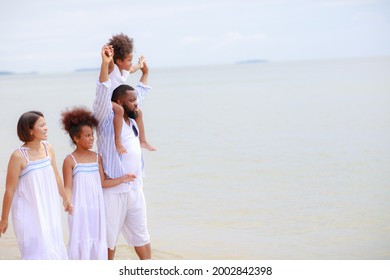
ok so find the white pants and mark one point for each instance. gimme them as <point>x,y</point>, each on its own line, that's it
<point>126,212</point>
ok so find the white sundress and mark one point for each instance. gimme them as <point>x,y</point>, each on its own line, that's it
<point>87,225</point>
<point>36,211</point>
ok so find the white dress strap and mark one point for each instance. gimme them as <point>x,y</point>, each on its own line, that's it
<point>73,158</point>
<point>23,151</point>
<point>46,145</point>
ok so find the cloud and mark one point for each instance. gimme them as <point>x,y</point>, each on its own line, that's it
<point>69,34</point>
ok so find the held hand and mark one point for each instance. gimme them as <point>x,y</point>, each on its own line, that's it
<point>107,54</point>
<point>128,178</point>
<point>68,207</point>
<point>3,226</point>
<point>141,61</point>
<point>144,65</point>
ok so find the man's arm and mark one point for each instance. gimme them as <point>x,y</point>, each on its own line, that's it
<point>102,106</point>
<point>143,88</point>
<point>145,73</point>
<point>107,53</point>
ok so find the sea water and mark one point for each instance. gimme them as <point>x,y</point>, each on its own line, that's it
<point>278,160</point>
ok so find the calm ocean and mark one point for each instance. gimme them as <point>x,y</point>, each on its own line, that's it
<point>280,160</point>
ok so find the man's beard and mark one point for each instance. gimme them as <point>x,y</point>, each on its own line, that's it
<point>133,114</point>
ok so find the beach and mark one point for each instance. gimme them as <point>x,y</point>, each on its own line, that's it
<point>277,160</point>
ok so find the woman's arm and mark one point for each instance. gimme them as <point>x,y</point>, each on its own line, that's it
<point>14,168</point>
<point>67,173</point>
<point>61,190</point>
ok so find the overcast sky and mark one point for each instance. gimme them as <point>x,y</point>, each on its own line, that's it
<point>61,36</point>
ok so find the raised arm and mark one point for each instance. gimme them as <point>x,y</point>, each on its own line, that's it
<point>111,65</point>
<point>137,66</point>
<point>145,73</point>
<point>107,53</point>
<point>142,87</point>
<point>102,103</point>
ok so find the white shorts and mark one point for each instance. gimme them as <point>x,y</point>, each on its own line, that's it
<point>126,212</point>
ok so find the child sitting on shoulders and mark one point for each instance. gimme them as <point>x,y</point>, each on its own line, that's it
<point>120,68</point>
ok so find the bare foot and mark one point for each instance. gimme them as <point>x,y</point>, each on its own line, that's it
<point>148,147</point>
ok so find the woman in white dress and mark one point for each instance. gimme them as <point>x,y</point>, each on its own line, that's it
<point>33,186</point>
<point>84,179</point>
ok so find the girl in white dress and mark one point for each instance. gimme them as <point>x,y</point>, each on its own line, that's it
<point>84,179</point>
<point>32,187</point>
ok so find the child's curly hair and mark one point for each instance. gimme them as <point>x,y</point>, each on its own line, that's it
<point>122,44</point>
<point>74,119</point>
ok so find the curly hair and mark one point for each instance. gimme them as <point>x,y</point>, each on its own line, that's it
<point>122,44</point>
<point>73,120</point>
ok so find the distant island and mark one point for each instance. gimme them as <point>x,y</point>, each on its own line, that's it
<point>12,73</point>
<point>87,69</point>
<point>250,61</point>
<point>6,73</point>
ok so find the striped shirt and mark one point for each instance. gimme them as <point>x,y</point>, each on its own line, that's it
<point>103,112</point>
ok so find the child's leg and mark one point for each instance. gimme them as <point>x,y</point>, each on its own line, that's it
<point>118,122</point>
<point>142,136</point>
